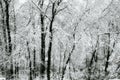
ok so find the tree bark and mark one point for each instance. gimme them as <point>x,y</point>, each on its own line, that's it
<point>42,69</point>
<point>30,63</point>
<point>42,65</point>
<point>107,56</point>
<point>50,42</point>
<point>3,25</point>
<point>34,62</point>
<point>8,27</point>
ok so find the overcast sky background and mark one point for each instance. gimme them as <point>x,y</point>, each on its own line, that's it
<point>98,4</point>
<point>22,1</point>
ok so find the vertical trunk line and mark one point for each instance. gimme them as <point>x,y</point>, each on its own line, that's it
<point>108,55</point>
<point>42,64</point>
<point>3,26</point>
<point>50,43</point>
<point>8,27</point>
<point>30,64</point>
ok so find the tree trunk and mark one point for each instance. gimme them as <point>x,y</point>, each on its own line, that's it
<point>3,25</point>
<point>50,42</point>
<point>42,65</point>
<point>30,63</point>
<point>8,36</point>
<point>107,56</point>
<point>34,63</point>
<point>8,27</point>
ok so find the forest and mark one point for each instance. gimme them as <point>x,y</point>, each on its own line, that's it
<point>60,39</point>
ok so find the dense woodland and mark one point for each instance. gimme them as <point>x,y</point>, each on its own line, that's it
<point>60,39</point>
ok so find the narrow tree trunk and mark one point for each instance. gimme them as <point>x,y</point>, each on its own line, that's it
<point>49,58</point>
<point>8,27</point>
<point>42,65</point>
<point>42,68</point>
<point>107,56</point>
<point>50,42</point>
<point>17,69</point>
<point>68,60</point>
<point>11,69</point>
<point>3,25</point>
<point>49,52</point>
<point>30,64</point>
<point>34,62</point>
<point>8,34</point>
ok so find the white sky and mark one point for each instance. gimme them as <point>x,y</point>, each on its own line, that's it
<point>22,1</point>
<point>19,3</point>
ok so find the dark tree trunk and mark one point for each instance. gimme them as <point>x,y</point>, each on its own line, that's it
<point>3,25</point>
<point>50,42</point>
<point>107,56</point>
<point>34,63</point>
<point>42,65</point>
<point>49,58</point>
<point>16,70</point>
<point>11,69</point>
<point>30,63</point>
<point>8,26</point>
<point>68,60</point>
<point>7,35</point>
